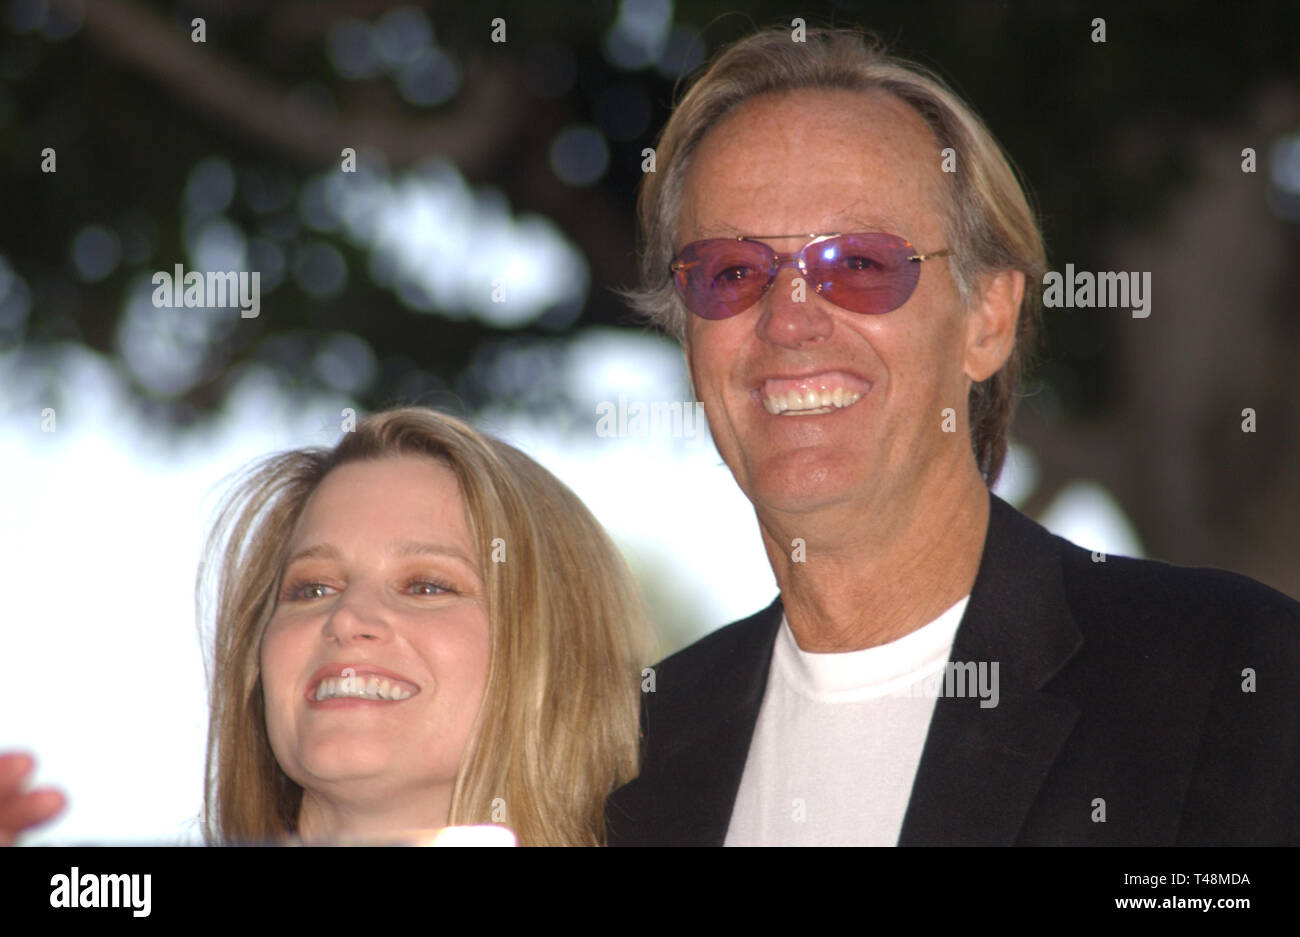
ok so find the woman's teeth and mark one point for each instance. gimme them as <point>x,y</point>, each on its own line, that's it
<point>372,688</point>
<point>810,402</point>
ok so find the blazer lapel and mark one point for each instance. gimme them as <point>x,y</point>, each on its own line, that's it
<point>981,768</point>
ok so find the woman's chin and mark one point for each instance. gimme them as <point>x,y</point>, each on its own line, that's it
<point>478,835</point>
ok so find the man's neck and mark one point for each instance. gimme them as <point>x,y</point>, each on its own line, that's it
<point>872,577</point>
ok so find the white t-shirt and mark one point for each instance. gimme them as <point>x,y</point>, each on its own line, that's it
<point>838,739</point>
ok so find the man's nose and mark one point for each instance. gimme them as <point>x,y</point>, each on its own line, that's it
<point>789,313</point>
<point>358,615</point>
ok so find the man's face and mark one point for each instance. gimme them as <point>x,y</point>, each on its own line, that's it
<point>827,162</point>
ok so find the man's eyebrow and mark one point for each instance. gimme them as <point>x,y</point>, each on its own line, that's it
<point>404,548</point>
<point>841,224</point>
<point>720,231</point>
<point>855,223</point>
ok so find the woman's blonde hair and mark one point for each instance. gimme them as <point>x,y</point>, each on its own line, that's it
<point>990,224</point>
<point>558,726</point>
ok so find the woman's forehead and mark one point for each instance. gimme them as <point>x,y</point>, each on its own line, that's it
<point>388,495</point>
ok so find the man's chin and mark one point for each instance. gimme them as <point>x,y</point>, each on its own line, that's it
<point>797,484</point>
<point>803,498</point>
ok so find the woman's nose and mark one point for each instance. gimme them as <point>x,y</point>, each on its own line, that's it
<point>359,614</point>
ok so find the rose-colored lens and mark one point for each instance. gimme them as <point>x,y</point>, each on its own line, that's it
<point>720,277</point>
<point>866,273</point>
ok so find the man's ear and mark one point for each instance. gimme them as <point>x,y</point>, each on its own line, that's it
<point>991,323</point>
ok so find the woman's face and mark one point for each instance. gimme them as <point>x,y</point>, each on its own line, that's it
<point>375,661</point>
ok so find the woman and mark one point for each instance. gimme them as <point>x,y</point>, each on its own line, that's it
<point>418,628</point>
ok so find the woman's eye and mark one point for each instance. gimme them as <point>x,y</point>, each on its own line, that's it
<point>305,591</point>
<point>308,591</point>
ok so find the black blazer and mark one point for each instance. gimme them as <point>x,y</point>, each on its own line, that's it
<point>1121,680</point>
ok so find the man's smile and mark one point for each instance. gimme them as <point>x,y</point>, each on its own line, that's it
<point>812,394</point>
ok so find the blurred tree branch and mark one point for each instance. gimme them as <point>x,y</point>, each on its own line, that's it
<point>478,125</point>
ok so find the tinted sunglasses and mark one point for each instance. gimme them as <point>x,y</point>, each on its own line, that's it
<point>868,273</point>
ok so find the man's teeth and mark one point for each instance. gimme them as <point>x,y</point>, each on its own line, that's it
<point>810,401</point>
<point>374,688</point>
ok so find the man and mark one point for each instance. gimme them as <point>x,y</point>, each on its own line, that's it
<point>852,267</point>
